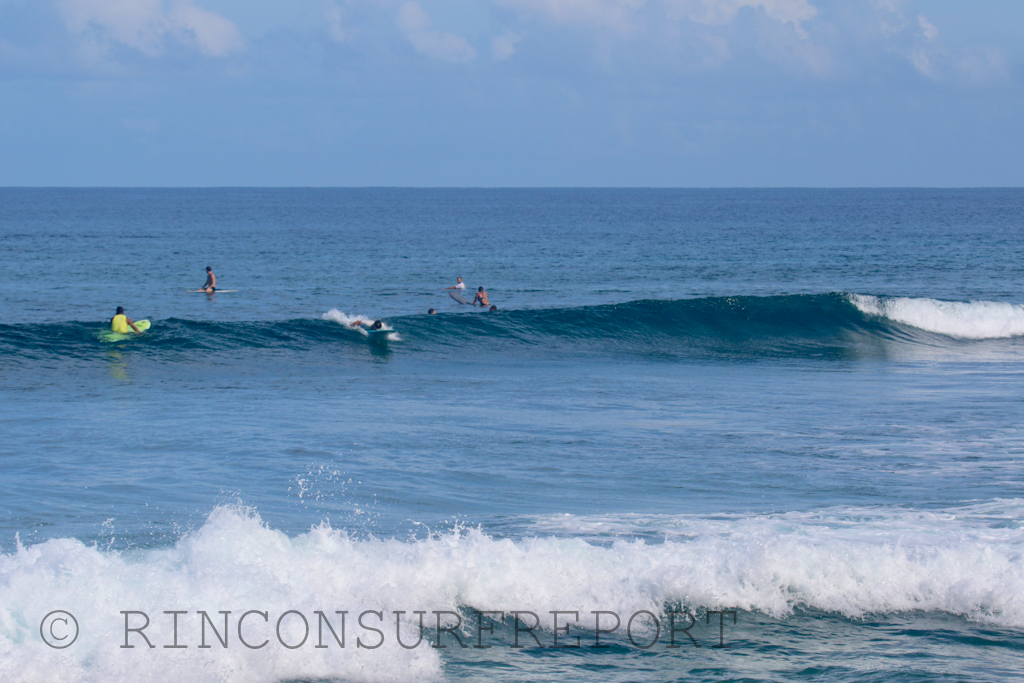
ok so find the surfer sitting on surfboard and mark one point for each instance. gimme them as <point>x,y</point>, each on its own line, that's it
<point>458,285</point>
<point>211,281</point>
<point>120,322</point>
<point>481,296</point>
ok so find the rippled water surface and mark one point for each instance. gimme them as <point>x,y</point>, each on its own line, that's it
<point>801,409</point>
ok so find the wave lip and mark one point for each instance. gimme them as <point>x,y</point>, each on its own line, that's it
<point>958,319</point>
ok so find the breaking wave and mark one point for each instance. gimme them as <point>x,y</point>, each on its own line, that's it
<point>832,325</point>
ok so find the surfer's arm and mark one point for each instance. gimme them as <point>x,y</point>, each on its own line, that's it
<point>132,325</point>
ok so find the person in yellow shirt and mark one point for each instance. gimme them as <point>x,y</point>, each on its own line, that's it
<point>120,322</point>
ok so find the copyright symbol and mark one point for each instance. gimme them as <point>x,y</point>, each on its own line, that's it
<point>59,629</point>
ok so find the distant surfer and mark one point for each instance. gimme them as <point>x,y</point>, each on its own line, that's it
<point>211,281</point>
<point>431,311</point>
<point>492,308</point>
<point>481,297</point>
<point>458,285</point>
<point>376,325</point>
<point>120,322</point>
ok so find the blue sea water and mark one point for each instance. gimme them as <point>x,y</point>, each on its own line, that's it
<point>802,408</point>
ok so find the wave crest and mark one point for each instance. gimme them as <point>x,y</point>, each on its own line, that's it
<point>958,319</point>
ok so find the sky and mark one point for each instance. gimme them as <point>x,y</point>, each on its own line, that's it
<point>512,93</point>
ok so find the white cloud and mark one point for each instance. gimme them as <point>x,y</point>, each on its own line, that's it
<point>983,64</point>
<point>911,38</point>
<point>724,11</point>
<point>414,23</point>
<point>336,28</point>
<point>147,26</point>
<point>889,5</point>
<point>923,63</point>
<point>215,35</point>
<point>504,46</point>
<point>616,14</point>
<point>928,29</point>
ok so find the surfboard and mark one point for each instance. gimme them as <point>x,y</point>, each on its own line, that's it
<point>458,297</point>
<point>219,291</point>
<point>110,336</point>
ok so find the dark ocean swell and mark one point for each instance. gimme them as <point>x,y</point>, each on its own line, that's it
<point>828,326</point>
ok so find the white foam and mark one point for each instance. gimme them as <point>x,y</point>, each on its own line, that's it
<point>965,561</point>
<point>964,320</point>
<point>354,323</point>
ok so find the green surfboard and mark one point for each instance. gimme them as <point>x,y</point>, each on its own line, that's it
<point>110,336</point>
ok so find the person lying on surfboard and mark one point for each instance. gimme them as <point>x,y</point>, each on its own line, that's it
<point>211,282</point>
<point>458,285</point>
<point>481,296</point>
<point>120,322</point>
<point>375,326</point>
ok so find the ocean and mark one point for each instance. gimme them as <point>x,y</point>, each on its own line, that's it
<point>707,435</point>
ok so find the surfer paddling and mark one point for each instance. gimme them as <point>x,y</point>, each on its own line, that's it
<point>211,282</point>
<point>481,298</point>
<point>377,325</point>
<point>458,285</point>
<point>120,322</point>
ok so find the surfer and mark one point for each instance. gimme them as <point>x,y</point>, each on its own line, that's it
<point>481,296</point>
<point>492,308</point>
<point>120,322</point>
<point>211,282</point>
<point>458,285</point>
<point>377,325</point>
<point>431,311</point>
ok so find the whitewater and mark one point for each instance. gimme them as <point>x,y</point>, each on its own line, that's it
<point>847,561</point>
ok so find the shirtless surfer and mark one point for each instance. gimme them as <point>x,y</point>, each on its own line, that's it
<point>211,281</point>
<point>458,285</point>
<point>481,297</point>
<point>120,322</point>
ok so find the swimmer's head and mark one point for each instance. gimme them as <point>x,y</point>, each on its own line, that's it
<point>120,310</point>
<point>376,325</point>
<point>431,312</point>
<point>208,269</point>
<point>480,289</point>
<point>459,279</point>
<point>492,308</point>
